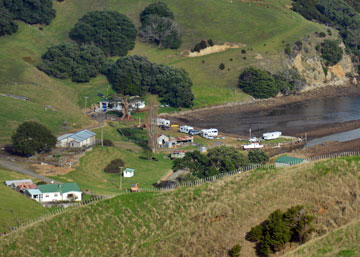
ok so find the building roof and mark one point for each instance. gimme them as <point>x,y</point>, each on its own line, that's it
<point>10,182</point>
<point>78,136</point>
<point>289,160</point>
<point>63,188</point>
<point>34,191</point>
<point>129,170</point>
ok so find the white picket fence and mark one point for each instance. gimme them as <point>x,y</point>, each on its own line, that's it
<point>166,189</point>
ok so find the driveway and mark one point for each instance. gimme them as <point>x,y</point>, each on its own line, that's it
<point>17,168</point>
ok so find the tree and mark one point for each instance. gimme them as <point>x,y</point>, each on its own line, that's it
<point>258,83</point>
<point>31,11</point>
<point>159,9</point>
<point>235,251</point>
<point>68,60</point>
<point>152,130</point>
<point>331,52</point>
<point>162,31</point>
<point>7,26</point>
<point>32,137</point>
<point>111,31</point>
<point>258,156</point>
<point>135,75</point>
<point>114,166</point>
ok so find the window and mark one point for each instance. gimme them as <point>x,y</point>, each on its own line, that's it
<point>46,195</point>
<point>56,195</point>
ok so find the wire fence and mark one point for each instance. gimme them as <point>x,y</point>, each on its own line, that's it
<point>97,198</point>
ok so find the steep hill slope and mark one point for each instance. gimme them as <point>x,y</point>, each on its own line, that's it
<point>201,221</point>
<point>265,27</point>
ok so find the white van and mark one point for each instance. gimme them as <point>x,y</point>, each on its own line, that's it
<point>209,133</point>
<point>185,129</point>
<point>272,135</point>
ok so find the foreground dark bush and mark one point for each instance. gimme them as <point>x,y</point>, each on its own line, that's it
<point>258,156</point>
<point>111,31</point>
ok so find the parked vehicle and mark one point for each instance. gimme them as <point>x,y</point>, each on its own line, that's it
<point>272,135</point>
<point>253,139</point>
<point>163,122</point>
<point>186,129</point>
<point>207,133</point>
<point>252,146</point>
<point>194,132</point>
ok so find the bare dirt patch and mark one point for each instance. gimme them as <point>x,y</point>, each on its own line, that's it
<point>213,49</point>
<point>51,170</point>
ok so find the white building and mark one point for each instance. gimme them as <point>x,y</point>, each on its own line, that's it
<point>128,173</point>
<point>163,122</point>
<point>162,140</point>
<point>272,135</point>
<point>185,129</point>
<point>117,105</point>
<point>83,138</point>
<point>209,133</point>
<point>13,183</point>
<point>33,194</point>
<point>59,192</point>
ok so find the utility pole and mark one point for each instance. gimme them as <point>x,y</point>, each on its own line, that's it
<point>250,132</point>
<point>120,185</point>
<point>86,97</point>
<point>102,135</point>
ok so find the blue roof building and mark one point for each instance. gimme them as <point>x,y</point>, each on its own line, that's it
<point>83,138</point>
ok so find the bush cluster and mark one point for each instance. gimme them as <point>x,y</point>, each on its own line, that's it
<point>158,26</point>
<point>262,84</point>
<point>258,156</point>
<point>218,160</point>
<point>7,26</point>
<point>114,166</point>
<point>271,236</point>
<point>202,45</point>
<point>331,52</point>
<point>111,31</point>
<point>135,75</point>
<point>69,60</point>
<point>31,138</point>
<point>337,14</point>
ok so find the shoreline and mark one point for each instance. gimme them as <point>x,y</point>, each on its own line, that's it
<point>266,104</point>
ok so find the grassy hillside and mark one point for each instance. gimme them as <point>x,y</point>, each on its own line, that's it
<point>265,28</point>
<point>201,221</point>
<point>15,207</point>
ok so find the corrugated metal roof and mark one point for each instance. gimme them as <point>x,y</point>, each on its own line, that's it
<point>289,160</point>
<point>63,188</point>
<point>34,191</point>
<point>63,137</point>
<point>70,187</point>
<point>82,135</point>
<point>9,182</point>
<point>49,188</point>
<point>129,170</point>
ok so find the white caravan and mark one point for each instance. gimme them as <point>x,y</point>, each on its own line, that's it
<point>272,135</point>
<point>163,122</point>
<point>209,133</point>
<point>252,146</point>
<point>186,129</point>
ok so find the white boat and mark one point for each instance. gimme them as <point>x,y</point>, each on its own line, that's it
<point>252,146</point>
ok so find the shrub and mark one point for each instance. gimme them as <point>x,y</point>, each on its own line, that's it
<point>210,42</point>
<point>7,26</point>
<point>287,50</point>
<point>331,52</point>
<point>135,75</point>
<point>159,9</point>
<point>235,251</point>
<point>68,60</point>
<point>258,83</point>
<point>31,11</point>
<point>203,44</point>
<point>322,34</point>
<point>243,51</point>
<point>258,156</point>
<point>108,142</point>
<point>222,66</point>
<point>162,31</point>
<point>114,166</point>
<point>32,137</point>
<point>111,31</point>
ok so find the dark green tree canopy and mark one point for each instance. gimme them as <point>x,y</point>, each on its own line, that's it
<point>7,26</point>
<point>114,166</point>
<point>258,83</point>
<point>135,75</point>
<point>158,9</point>
<point>331,52</point>
<point>31,11</point>
<point>218,160</point>
<point>258,156</point>
<point>32,137</point>
<point>162,31</point>
<point>68,60</point>
<point>111,31</point>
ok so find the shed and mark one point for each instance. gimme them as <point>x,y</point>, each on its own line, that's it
<point>11,182</point>
<point>128,173</point>
<point>162,140</point>
<point>78,139</point>
<point>177,154</point>
<point>284,161</point>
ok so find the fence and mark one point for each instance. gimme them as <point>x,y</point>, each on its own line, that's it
<point>97,198</point>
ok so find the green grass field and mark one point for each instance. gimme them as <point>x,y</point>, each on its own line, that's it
<point>262,26</point>
<point>205,220</point>
<point>15,208</point>
<point>90,173</point>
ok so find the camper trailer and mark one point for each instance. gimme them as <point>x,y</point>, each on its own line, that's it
<point>209,133</point>
<point>272,135</point>
<point>163,123</point>
<point>185,129</point>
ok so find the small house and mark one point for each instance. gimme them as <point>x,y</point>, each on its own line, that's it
<point>128,173</point>
<point>162,140</point>
<point>83,138</point>
<point>59,192</point>
<point>285,161</point>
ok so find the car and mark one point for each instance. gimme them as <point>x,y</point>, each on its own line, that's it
<point>194,132</point>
